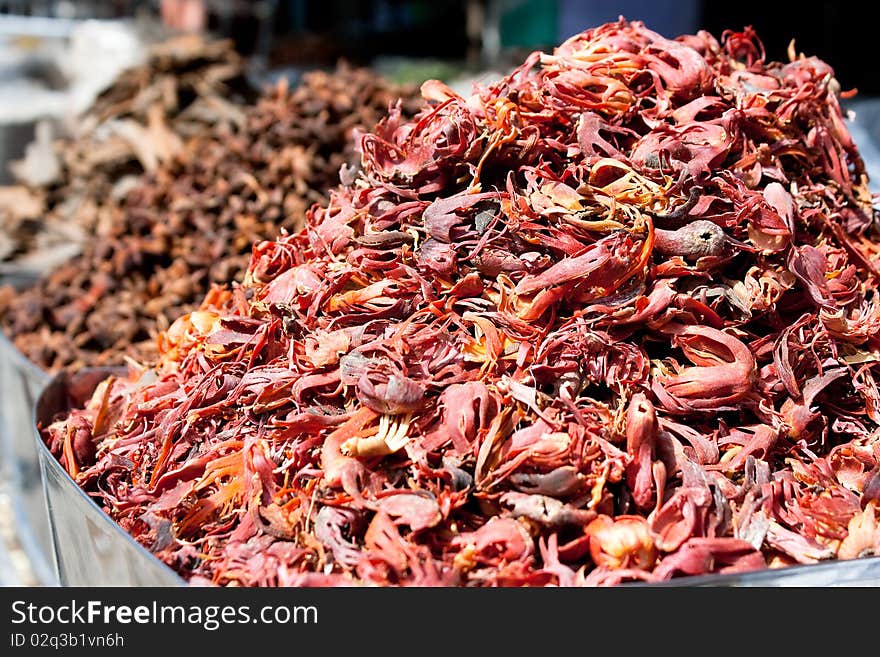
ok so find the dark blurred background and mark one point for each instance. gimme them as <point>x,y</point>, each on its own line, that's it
<point>841,33</point>
<point>484,32</point>
<point>835,31</point>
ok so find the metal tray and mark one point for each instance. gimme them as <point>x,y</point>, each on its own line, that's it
<point>89,548</point>
<point>20,384</point>
<point>92,550</point>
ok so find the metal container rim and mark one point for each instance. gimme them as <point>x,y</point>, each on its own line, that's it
<point>50,461</point>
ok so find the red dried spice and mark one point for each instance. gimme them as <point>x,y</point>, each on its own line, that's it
<point>612,318</point>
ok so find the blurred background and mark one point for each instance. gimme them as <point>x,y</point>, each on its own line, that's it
<point>57,56</point>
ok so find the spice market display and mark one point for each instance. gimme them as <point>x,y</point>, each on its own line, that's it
<point>612,318</point>
<point>192,221</point>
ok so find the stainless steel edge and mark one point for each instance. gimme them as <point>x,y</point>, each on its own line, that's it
<point>854,572</point>
<point>20,384</point>
<point>90,548</point>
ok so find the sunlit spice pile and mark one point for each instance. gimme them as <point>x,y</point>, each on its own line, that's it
<point>612,318</point>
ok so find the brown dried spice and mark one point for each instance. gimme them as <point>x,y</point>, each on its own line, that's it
<point>192,222</point>
<point>74,186</point>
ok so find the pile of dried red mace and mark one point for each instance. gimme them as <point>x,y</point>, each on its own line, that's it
<point>611,318</point>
